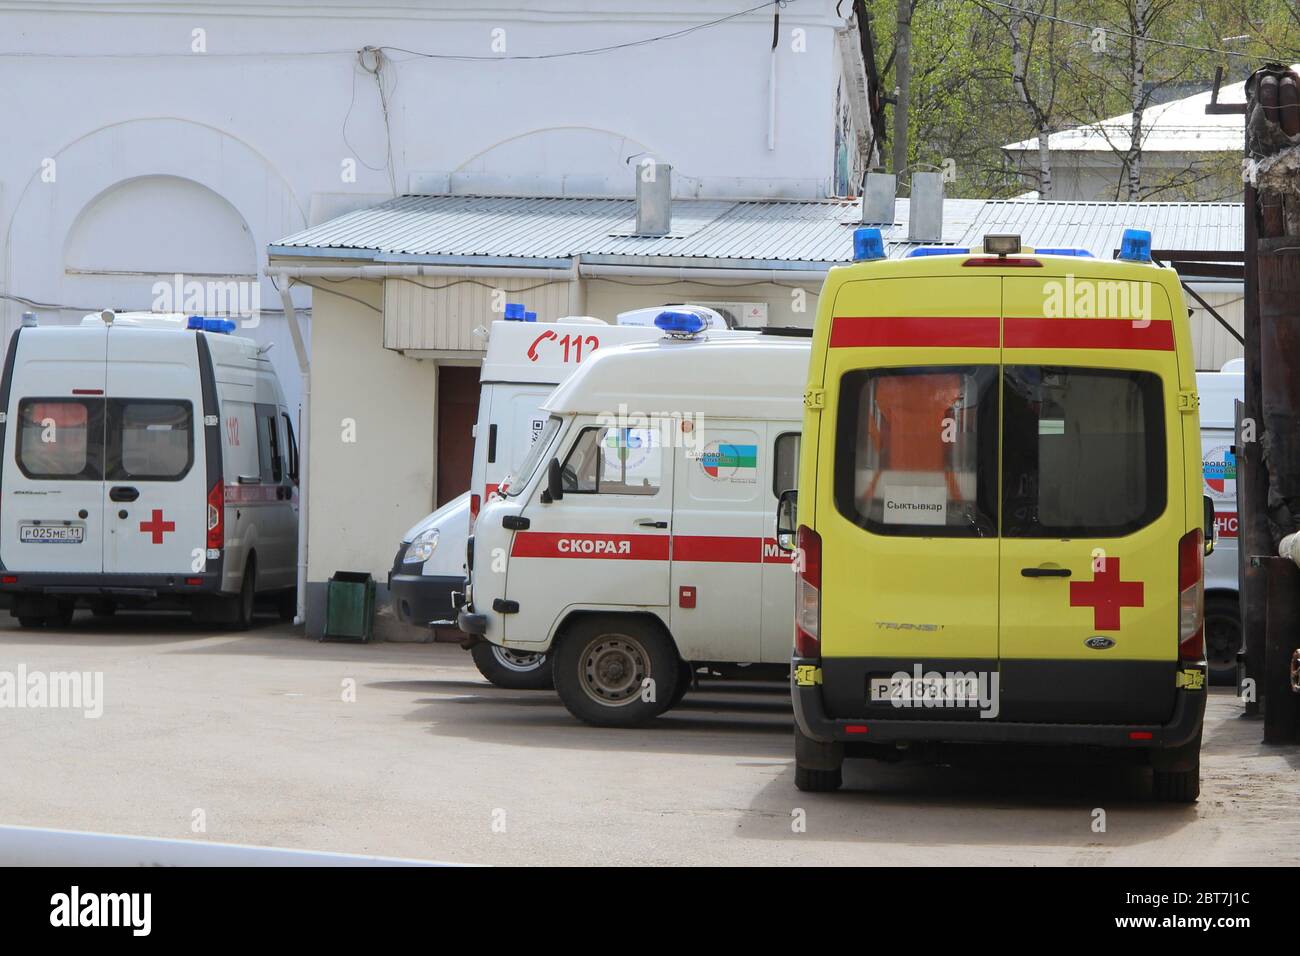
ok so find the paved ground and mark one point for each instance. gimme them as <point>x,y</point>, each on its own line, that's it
<point>431,761</point>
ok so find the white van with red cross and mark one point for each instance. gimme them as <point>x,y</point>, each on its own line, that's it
<point>148,461</point>
<point>524,362</point>
<point>635,542</point>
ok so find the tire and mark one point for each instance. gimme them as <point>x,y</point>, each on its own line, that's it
<point>239,607</point>
<point>684,682</point>
<point>817,781</point>
<point>63,616</point>
<point>601,663</point>
<point>818,767</point>
<point>1176,774</point>
<point>31,620</point>
<point>1222,638</point>
<point>1176,786</point>
<point>286,606</point>
<point>103,609</point>
<point>513,670</point>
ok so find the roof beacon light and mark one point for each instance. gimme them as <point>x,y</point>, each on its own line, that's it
<point>530,316</point>
<point>194,323</point>
<point>1136,245</point>
<point>920,252</point>
<point>29,320</point>
<point>680,324</point>
<point>514,312</point>
<point>198,323</point>
<point>1078,253</point>
<point>867,244</point>
<point>1001,244</point>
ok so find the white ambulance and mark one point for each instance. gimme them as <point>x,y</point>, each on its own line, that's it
<point>524,362</point>
<point>148,461</point>
<point>1220,391</point>
<point>635,543</point>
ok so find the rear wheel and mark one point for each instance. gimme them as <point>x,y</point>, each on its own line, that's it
<point>62,617</point>
<point>1176,774</point>
<point>1222,637</point>
<point>818,766</point>
<point>511,669</point>
<point>616,670</point>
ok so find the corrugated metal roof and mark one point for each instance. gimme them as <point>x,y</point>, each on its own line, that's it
<point>759,234</point>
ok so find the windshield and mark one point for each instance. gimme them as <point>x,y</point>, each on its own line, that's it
<point>514,485</point>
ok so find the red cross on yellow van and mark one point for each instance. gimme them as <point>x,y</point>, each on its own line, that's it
<point>1000,522</point>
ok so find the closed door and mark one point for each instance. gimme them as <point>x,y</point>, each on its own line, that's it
<point>457,408</point>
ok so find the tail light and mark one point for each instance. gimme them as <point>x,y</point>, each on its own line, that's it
<point>808,595</point>
<point>217,517</point>
<point>474,503</point>
<point>1191,597</point>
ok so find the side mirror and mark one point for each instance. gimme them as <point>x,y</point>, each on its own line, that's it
<point>554,482</point>
<point>787,519</point>
<point>1211,530</point>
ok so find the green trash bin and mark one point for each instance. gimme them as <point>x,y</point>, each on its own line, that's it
<point>349,606</point>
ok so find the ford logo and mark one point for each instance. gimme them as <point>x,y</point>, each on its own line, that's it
<point>1099,643</point>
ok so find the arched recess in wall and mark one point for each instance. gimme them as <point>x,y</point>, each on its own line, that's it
<point>570,160</point>
<point>141,164</point>
<point>151,229</point>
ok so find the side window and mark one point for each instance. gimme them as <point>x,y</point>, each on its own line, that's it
<point>1083,451</point>
<point>270,461</point>
<point>149,439</point>
<point>61,438</point>
<point>916,450</point>
<point>291,444</point>
<point>785,463</point>
<point>614,461</point>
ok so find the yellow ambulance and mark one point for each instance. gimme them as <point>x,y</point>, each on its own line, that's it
<point>999,531</point>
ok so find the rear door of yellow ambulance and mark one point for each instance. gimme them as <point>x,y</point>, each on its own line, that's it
<point>1092,496</point>
<point>908,519</point>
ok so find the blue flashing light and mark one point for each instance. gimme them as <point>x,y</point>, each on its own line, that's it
<point>198,323</point>
<point>868,244</point>
<point>1079,253</point>
<point>1136,245</point>
<point>681,323</point>
<point>922,251</point>
<point>530,316</point>
<point>514,312</point>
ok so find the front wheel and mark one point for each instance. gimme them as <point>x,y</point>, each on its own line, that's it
<point>511,669</point>
<point>616,670</point>
<point>1222,637</point>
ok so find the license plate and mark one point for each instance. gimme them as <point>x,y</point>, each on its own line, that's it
<point>51,534</point>
<point>916,691</point>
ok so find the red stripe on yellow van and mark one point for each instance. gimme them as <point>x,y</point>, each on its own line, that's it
<point>914,331</point>
<point>1040,333</point>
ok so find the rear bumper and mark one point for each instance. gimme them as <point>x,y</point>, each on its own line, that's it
<point>815,724</point>
<point>73,586</point>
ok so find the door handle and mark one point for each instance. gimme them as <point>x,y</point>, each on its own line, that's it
<point>1045,572</point>
<point>123,493</point>
<point>650,523</point>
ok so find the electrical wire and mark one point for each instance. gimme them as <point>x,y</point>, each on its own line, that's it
<point>1034,15</point>
<point>592,51</point>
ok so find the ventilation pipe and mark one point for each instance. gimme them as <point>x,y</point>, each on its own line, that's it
<point>654,199</point>
<point>925,222</point>
<point>878,190</point>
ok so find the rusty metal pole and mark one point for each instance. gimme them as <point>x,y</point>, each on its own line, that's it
<point>1282,715</point>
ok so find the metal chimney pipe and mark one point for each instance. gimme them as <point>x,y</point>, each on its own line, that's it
<point>925,222</point>
<point>654,199</point>
<point>878,191</point>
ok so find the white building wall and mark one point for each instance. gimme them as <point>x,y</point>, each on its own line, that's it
<point>149,139</point>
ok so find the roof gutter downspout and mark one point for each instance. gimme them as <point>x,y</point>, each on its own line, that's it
<point>304,473</point>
